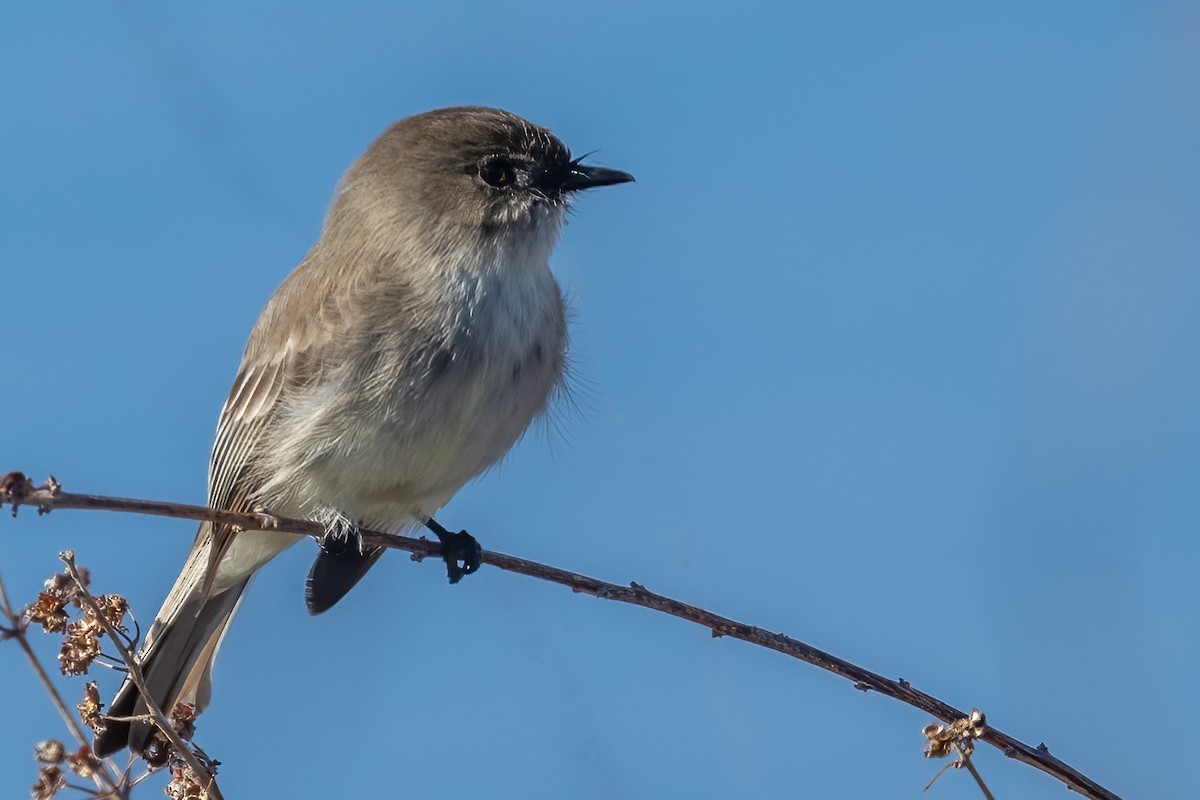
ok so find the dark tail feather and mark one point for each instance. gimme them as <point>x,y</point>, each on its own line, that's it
<point>175,663</point>
<point>115,735</point>
<point>335,573</point>
<point>177,656</point>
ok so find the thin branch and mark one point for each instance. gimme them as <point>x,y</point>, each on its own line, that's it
<point>987,793</point>
<point>17,490</point>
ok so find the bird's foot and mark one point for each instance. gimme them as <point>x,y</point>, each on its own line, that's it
<point>460,551</point>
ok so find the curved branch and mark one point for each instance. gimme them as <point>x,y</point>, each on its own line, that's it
<point>17,490</point>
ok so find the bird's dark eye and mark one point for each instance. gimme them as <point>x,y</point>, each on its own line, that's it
<point>497,172</point>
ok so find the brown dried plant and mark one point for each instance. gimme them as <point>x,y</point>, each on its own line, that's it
<point>65,607</point>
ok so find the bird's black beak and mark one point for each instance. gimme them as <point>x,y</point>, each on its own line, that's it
<point>581,176</point>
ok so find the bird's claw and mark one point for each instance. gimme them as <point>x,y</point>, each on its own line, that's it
<point>461,552</point>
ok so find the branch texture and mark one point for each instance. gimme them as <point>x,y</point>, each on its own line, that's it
<point>17,490</point>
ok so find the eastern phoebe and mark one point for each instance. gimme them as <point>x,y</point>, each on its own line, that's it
<point>405,355</point>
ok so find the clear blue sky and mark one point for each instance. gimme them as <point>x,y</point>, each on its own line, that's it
<point>892,346</point>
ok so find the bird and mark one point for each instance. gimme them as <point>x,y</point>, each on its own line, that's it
<point>404,355</point>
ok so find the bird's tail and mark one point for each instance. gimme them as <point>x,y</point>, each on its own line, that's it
<point>176,659</point>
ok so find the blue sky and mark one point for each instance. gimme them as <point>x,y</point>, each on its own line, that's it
<point>892,347</point>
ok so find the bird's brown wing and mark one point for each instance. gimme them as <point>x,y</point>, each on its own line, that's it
<point>267,375</point>
<point>245,420</point>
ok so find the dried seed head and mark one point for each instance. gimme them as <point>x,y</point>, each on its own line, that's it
<point>64,585</point>
<point>50,780</point>
<point>960,735</point>
<point>183,718</point>
<point>80,647</point>
<point>83,762</point>
<point>184,784</point>
<point>49,751</point>
<point>49,611</point>
<point>113,608</point>
<point>937,740</point>
<point>89,709</point>
<point>82,644</point>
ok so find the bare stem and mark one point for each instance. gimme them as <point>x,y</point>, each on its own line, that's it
<point>17,490</point>
<point>978,778</point>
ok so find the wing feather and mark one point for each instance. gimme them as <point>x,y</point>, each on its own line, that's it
<point>246,418</point>
<point>285,351</point>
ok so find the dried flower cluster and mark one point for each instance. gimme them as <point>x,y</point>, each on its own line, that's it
<point>160,752</point>
<point>89,709</point>
<point>49,611</point>
<point>51,755</point>
<point>83,762</point>
<point>81,646</point>
<point>960,736</point>
<point>50,780</point>
<point>183,719</point>
<point>185,784</point>
<point>66,606</point>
